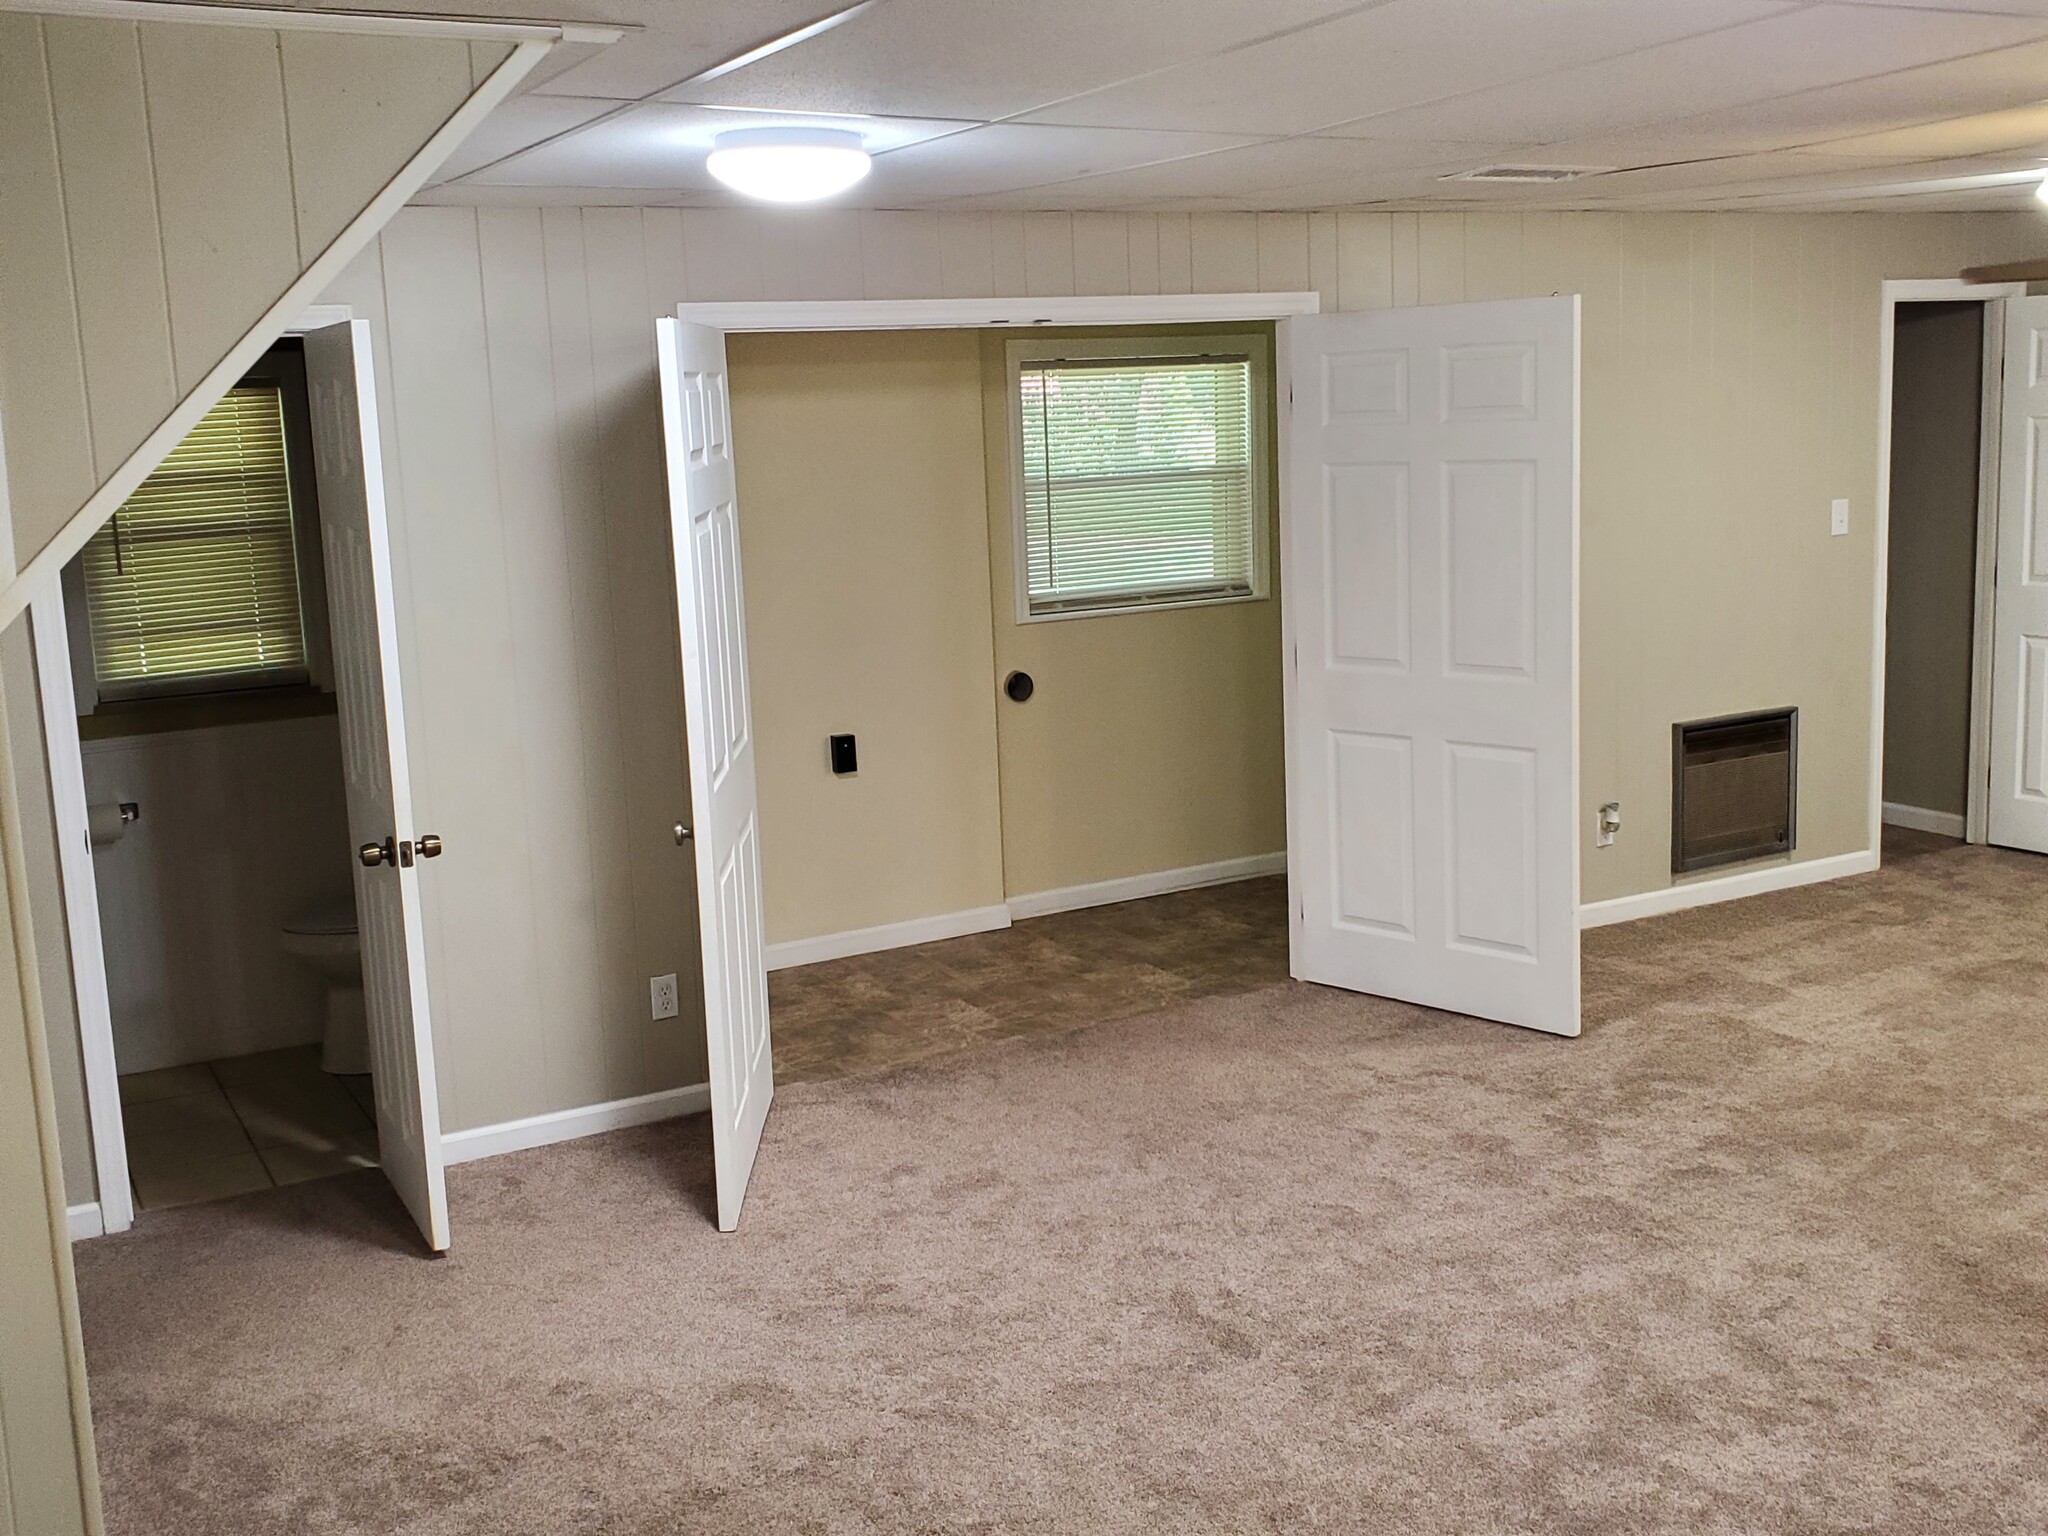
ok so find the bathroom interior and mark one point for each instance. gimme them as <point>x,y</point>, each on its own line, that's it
<point>202,666</point>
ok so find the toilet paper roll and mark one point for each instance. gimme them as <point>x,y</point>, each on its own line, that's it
<point>106,822</point>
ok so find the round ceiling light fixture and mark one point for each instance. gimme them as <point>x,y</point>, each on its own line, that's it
<point>788,165</point>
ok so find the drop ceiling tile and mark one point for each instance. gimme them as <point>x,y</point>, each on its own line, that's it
<point>993,58</point>
<point>683,40</point>
<point>2009,77</point>
<point>1259,173</point>
<point>517,124</point>
<point>1009,156</point>
<point>2020,129</point>
<point>1392,56</point>
<point>663,147</point>
<point>1801,50</point>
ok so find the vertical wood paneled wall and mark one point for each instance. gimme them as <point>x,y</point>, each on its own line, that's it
<point>1730,394</point>
<point>161,185</point>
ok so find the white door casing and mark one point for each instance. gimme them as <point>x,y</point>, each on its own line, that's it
<point>711,627</point>
<point>1430,542</point>
<point>2018,799</point>
<point>355,541</point>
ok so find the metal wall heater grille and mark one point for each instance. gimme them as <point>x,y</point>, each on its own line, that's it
<point>1733,789</point>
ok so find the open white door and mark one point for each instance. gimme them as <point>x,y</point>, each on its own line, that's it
<point>2018,802</point>
<point>349,463</point>
<point>696,423</point>
<point>1431,549</point>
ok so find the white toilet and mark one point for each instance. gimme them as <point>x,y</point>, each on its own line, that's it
<point>324,940</point>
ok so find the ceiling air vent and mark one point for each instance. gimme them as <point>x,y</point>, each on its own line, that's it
<point>1530,175</point>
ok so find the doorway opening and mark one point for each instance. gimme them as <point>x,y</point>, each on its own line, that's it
<point>1026,582</point>
<point>1963,631</point>
<point>231,839</point>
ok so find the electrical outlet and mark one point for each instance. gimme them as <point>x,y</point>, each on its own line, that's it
<point>1839,520</point>
<point>662,990</point>
<point>1608,824</point>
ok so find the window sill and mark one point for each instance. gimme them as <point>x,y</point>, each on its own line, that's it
<point>1155,605</point>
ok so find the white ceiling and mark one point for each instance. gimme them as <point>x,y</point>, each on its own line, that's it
<point>1291,104</point>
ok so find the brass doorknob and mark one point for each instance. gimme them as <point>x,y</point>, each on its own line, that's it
<point>373,854</point>
<point>429,845</point>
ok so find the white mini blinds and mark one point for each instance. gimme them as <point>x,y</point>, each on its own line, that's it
<point>1142,481</point>
<point>194,582</point>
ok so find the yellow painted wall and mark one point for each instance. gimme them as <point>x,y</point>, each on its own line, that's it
<point>1152,741</point>
<point>864,540</point>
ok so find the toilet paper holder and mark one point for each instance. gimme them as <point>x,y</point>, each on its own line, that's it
<point>105,823</point>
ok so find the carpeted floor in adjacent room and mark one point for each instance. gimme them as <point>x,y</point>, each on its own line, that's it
<point>1766,1251</point>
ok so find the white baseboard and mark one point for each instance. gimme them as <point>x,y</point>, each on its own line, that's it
<point>1943,823</point>
<point>1104,893</point>
<point>568,1124</point>
<point>1704,893</point>
<point>84,1220</point>
<point>867,941</point>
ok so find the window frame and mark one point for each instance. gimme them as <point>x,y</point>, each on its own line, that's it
<point>1256,347</point>
<point>282,368</point>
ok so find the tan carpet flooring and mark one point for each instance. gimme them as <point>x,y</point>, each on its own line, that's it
<point>1767,1251</point>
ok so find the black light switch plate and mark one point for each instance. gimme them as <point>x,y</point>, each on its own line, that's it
<point>843,759</point>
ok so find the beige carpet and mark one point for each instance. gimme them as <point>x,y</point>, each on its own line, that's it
<point>1767,1251</point>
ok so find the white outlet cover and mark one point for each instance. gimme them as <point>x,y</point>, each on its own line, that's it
<point>1840,522</point>
<point>661,991</point>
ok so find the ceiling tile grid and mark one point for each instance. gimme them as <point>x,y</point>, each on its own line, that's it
<point>1248,105</point>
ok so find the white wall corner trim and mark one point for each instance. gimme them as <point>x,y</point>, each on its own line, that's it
<point>569,1124</point>
<point>868,941</point>
<point>1705,893</point>
<point>84,1221</point>
<point>1105,893</point>
<point>927,314</point>
<point>1920,819</point>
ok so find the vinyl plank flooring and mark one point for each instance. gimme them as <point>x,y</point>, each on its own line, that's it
<point>870,1012</point>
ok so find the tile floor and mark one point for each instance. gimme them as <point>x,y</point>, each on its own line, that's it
<point>1048,974</point>
<point>220,1128</point>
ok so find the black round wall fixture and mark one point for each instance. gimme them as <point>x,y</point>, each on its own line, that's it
<point>1018,686</point>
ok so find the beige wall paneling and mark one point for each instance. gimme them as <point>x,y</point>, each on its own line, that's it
<point>1048,255</point>
<point>167,184</point>
<point>103,136</point>
<point>224,180</point>
<point>1102,253</point>
<point>1283,253</point>
<point>1223,252</point>
<point>624,296</point>
<point>1154,740</point>
<point>49,455</point>
<point>966,258</point>
<point>357,106</point>
<point>47,1487</point>
<point>902,254</point>
<point>864,535</point>
<point>468,766</point>
<point>1930,622</point>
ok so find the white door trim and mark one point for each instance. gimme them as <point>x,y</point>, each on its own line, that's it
<point>985,314</point>
<point>64,755</point>
<point>1923,290</point>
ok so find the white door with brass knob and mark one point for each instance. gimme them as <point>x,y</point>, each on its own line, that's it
<point>357,548</point>
<point>722,830</point>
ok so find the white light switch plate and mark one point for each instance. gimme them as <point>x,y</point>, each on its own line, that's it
<point>1840,523</point>
<point>662,992</point>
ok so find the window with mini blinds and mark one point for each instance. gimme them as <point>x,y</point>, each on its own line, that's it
<point>1142,475</point>
<point>193,584</point>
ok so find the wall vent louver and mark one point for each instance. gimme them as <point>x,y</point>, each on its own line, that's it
<point>1734,782</point>
<point>1530,175</point>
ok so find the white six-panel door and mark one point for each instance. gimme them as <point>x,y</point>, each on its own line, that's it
<point>349,467</point>
<point>697,420</point>
<point>2018,801</point>
<point>1431,557</point>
